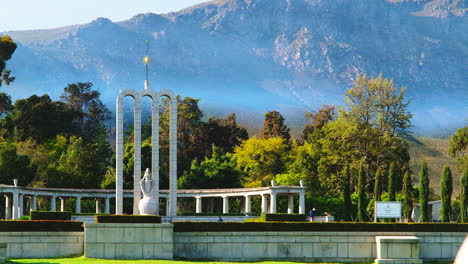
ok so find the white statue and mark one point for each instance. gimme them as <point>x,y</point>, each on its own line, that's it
<point>147,205</point>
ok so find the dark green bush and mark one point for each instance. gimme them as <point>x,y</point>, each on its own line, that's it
<point>153,219</point>
<point>46,215</point>
<point>40,226</point>
<point>316,227</point>
<point>283,217</point>
<point>25,217</point>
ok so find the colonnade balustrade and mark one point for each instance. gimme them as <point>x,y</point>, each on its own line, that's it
<point>22,199</point>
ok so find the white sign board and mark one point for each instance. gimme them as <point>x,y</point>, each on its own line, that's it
<point>388,209</point>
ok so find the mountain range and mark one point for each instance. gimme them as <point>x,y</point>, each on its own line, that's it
<point>251,56</point>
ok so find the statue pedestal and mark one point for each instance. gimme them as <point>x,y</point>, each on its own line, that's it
<point>148,206</point>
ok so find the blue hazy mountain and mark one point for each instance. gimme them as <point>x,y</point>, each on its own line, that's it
<point>250,56</point>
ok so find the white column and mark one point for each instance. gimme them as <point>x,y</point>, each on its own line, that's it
<point>225,205</point>
<point>62,204</point>
<point>78,205</point>
<point>302,203</point>
<point>7,207</point>
<point>53,206</point>
<point>98,205</point>
<point>290,204</point>
<point>248,206</point>
<point>198,204</point>
<point>264,204</point>
<point>173,157</point>
<point>155,150</point>
<point>21,205</point>
<point>107,205</point>
<point>137,155</point>
<point>33,202</point>
<point>273,203</point>
<point>16,206</point>
<point>119,152</point>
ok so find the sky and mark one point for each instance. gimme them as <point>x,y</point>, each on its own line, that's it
<point>44,14</point>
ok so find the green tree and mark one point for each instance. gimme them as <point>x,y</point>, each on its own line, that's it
<point>424,193</point>
<point>274,126</point>
<point>7,48</point>
<point>15,166</point>
<point>217,171</point>
<point>446,189</point>
<point>361,194</point>
<point>318,120</point>
<point>392,182</point>
<point>224,132</point>
<point>378,185</point>
<point>463,195</point>
<point>408,196</point>
<point>347,194</point>
<point>458,146</point>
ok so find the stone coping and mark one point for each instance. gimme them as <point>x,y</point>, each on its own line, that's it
<point>396,239</point>
<point>131,225</point>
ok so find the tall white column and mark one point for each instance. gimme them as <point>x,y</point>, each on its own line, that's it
<point>225,205</point>
<point>290,204</point>
<point>98,205</point>
<point>248,205</point>
<point>78,205</point>
<point>264,204</point>
<point>173,156</point>
<point>62,204</point>
<point>273,203</point>
<point>119,152</point>
<point>33,202</point>
<point>302,203</point>
<point>21,205</point>
<point>7,207</point>
<point>53,206</point>
<point>107,205</point>
<point>137,155</point>
<point>16,206</point>
<point>198,204</point>
<point>155,149</point>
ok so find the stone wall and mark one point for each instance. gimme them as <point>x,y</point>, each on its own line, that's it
<point>129,241</point>
<point>42,244</point>
<point>305,246</point>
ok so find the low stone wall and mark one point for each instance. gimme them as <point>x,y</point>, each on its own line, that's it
<point>305,246</point>
<point>129,241</point>
<point>42,244</point>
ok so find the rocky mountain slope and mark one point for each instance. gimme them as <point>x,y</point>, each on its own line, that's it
<point>250,56</point>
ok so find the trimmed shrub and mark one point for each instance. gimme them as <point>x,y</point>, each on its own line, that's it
<point>152,219</point>
<point>210,214</point>
<point>40,226</point>
<point>283,217</point>
<point>254,220</point>
<point>46,215</point>
<point>316,227</point>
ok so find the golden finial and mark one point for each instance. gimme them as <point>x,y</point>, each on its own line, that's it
<point>146,61</point>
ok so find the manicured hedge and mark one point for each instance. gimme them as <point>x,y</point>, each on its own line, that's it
<point>40,226</point>
<point>153,219</point>
<point>316,227</point>
<point>283,217</point>
<point>47,215</point>
<point>210,214</point>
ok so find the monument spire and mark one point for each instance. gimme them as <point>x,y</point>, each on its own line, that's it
<point>146,61</point>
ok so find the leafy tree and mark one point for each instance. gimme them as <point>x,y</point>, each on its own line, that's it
<point>392,182</point>
<point>319,119</point>
<point>446,190</point>
<point>224,132</point>
<point>424,193</point>
<point>261,160</point>
<point>218,171</point>
<point>14,166</point>
<point>458,146</point>
<point>463,195</point>
<point>378,185</point>
<point>408,194</point>
<point>347,194</point>
<point>7,48</point>
<point>361,194</point>
<point>5,104</point>
<point>274,126</point>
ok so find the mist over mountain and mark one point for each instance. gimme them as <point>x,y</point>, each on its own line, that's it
<point>251,56</point>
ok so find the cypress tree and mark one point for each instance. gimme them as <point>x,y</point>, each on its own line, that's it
<point>408,193</point>
<point>424,193</point>
<point>463,194</point>
<point>361,195</point>
<point>378,185</point>
<point>347,193</point>
<point>392,183</point>
<point>446,189</point>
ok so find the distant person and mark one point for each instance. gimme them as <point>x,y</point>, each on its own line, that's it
<point>220,219</point>
<point>312,214</point>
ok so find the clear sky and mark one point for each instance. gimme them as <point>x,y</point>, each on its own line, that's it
<point>43,14</point>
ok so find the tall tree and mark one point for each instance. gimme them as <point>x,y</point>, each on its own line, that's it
<point>392,183</point>
<point>378,185</point>
<point>361,194</point>
<point>15,166</point>
<point>463,195</point>
<point>274,126</point>
<point>424,193</point>
<point>347,194</point>
<point>318,120</point>
<point>7,48</point>
<point>408,196</point>
<point>446,189</point>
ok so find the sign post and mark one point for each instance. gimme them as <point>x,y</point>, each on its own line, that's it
<point>387,210</point>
